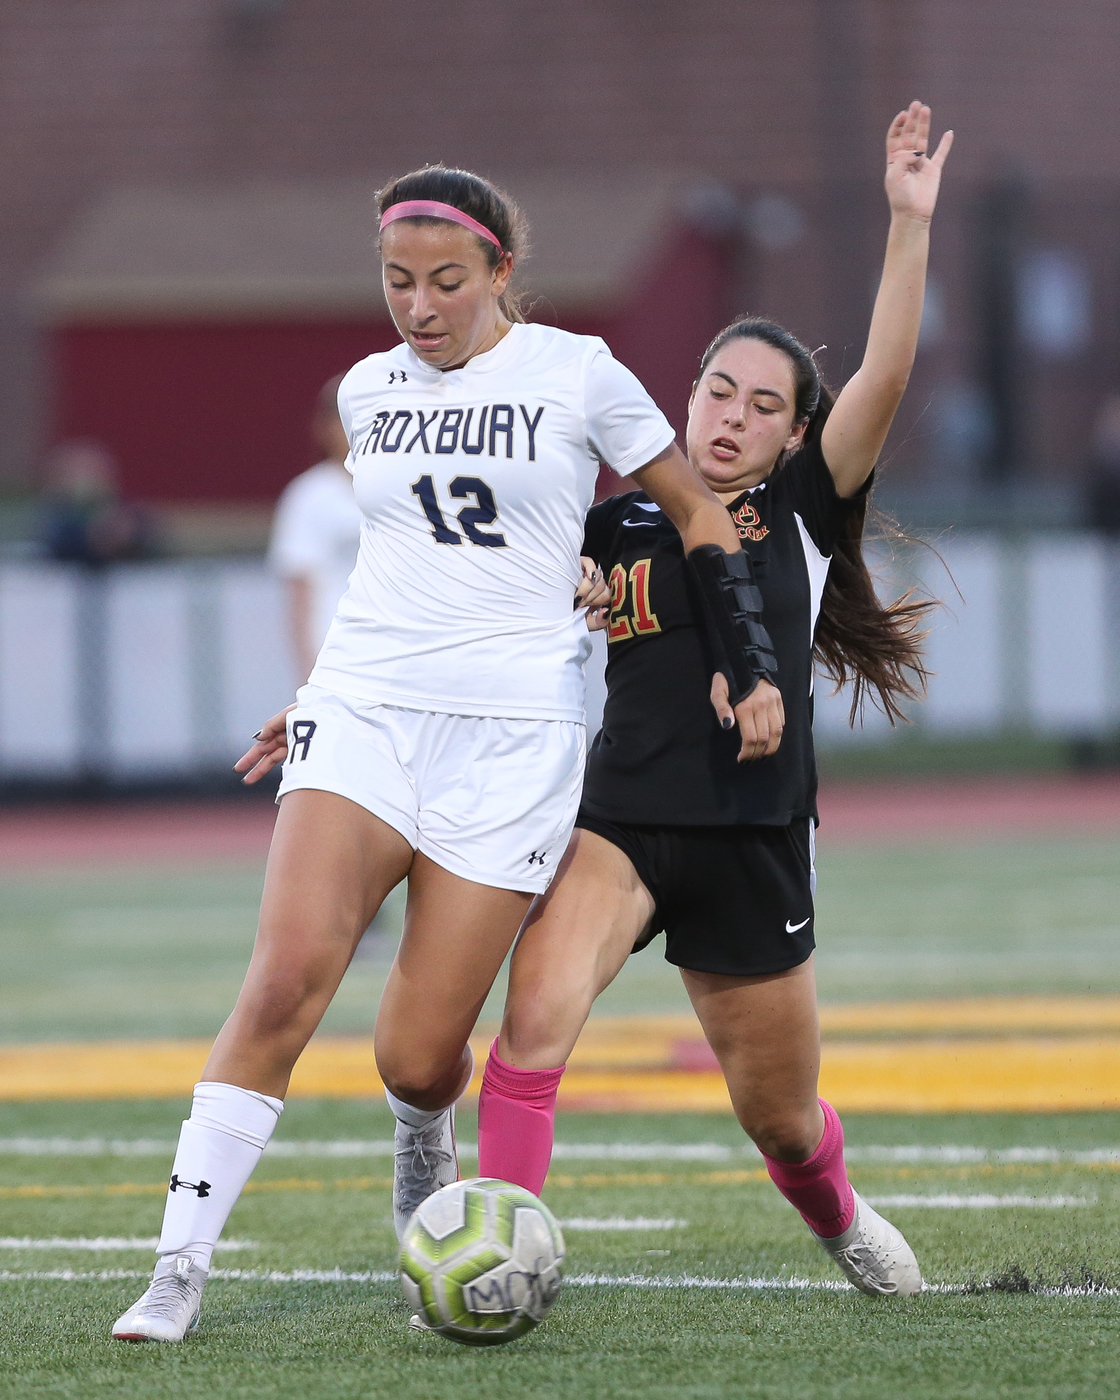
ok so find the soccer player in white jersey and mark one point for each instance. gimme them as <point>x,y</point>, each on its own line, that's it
<point>315,535</point>
<point>440,737</point>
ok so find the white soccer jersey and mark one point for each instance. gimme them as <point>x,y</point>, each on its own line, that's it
<point>474,484</point>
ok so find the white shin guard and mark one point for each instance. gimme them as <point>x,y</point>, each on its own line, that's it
<point>220,1144</point>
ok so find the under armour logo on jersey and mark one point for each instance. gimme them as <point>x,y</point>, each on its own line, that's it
<point>303,731</point>
<point>398,374</point>
<point>535,859</point>
<point>202,1187</point>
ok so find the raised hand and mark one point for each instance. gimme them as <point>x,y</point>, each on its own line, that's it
<point>913,175</point>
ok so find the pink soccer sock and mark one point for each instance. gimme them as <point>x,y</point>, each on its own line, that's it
<point>819,1188</point>
<point>516,1113</point>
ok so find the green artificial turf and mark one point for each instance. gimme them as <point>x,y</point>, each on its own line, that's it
<point>160,953</point>
<point>997,1335</point>
<point>156,953</point>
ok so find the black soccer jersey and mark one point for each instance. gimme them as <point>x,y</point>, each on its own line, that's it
<point>661,756</point>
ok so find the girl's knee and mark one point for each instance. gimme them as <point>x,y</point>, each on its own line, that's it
<point>280,1015</point>
<point>421,1081</point>
<point>782,1133</point>
<point>536,1041</point>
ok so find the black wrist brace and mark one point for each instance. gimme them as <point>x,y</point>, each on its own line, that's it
<point>733,612</point>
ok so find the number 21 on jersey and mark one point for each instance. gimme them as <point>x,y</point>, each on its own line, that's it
<point>642,619</point>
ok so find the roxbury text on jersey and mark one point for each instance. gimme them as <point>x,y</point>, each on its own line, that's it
<point>457,430</point>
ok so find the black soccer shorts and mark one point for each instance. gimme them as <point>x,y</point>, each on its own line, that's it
<point>736,900</point>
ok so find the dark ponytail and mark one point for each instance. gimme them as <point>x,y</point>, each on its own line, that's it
<point>475,196</point>
<point>857,640</point>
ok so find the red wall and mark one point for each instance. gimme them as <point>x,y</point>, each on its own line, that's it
<point>203,412</point>
<point>219,412</point>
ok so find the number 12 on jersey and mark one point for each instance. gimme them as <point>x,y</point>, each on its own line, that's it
<point>642,619</point>
<point>483,512</point>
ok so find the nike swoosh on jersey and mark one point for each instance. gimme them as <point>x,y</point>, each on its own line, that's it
<point>792,928</point>
<point>639,522</point>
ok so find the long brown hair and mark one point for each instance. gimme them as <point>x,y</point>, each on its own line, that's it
<point>858,640</point>
<point>475,196</point>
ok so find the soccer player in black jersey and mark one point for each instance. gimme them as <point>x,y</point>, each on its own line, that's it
<point>685,827</point>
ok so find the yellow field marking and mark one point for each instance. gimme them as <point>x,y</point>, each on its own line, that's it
<point>624,1063</point>
<point>346,1183</point>
<point>38,1192</point>
<point>974,1015</point>
<point>378,1183</point>
<point>903,1076</point>
<point>595,1179</point>
<point>1016,1074</point>
<point>652,1042</point>
<point>563,1180</point>
<point>335,1067</point>
<point>971,1169</point>
<point>159,1188</point>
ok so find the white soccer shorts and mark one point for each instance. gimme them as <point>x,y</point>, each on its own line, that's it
<point>490,800</point>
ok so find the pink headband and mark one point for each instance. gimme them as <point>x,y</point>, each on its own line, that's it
<point>432,209</point>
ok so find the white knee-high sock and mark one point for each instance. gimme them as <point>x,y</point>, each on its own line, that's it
<point>219,1146</point>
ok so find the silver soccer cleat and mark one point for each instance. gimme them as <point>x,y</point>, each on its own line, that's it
<point>424,1159</point>
<point>169,1309</point>
<point>874,1255</point>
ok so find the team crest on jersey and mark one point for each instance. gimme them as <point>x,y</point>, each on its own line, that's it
<point>749,524</point>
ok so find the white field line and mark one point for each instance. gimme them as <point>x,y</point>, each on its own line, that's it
<point>654,1281</point>
<point>102,1243</point>
<point>619,1222</point>
<point>105,1242</point>
<point>982,1202</point>
<point>946,1154</point>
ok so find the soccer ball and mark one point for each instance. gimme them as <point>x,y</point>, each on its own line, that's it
<point>481,1261</point>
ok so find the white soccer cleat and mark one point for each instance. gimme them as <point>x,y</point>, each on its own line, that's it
<point>169,1309</point>
<point>424,1160</point>
<point>874,1254</point>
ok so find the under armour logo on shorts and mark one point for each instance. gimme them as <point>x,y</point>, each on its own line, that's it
<point>202,1187</point>
<point>535,859</point>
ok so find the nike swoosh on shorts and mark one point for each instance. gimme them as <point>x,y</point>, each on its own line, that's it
<point>792,928</point>
<point>639,522</point>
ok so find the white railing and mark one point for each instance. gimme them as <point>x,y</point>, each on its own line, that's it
<point>141,670</point>
<point>164,670</point>
<point>1027,637</point>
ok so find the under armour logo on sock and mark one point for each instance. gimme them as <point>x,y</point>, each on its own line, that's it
<point>535,859</point>
<point>202,1187</point>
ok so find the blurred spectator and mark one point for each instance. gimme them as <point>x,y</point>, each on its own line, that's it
<point>315,534</point>
<point>1102,485</point>
<point>83,517</point>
